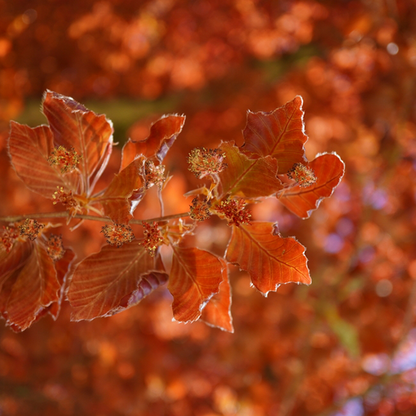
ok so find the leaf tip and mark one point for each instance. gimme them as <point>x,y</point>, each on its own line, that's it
<point>298,100</point>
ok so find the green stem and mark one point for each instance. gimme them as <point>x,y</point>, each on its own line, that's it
<point>66,214</point>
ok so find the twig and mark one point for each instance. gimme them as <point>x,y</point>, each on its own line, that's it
<point>65,214</point>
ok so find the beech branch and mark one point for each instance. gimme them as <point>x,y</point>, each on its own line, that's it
<point>65,214</point>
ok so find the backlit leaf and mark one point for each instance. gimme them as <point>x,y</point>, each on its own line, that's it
<point>246,177</point>
<point>28,284</point>
<point>269,259</point>
<point>116,200</point>
<point>29,150</point>
<point>279,133</point>
<point>12,261</point>
<point>74,126</point>
<point>329,170</point>
<point>163,134</point>
<point>194,278</point>
<point>112,280</point>
<point>217,313</point>
<point>63,271</point>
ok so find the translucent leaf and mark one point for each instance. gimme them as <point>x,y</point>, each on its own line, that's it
<point>279,133</point>
<point>10,262</point>
<point>246,177</point>
<point>117,199</point>
<point>63,271</point>
<point>217,313</point>
<point>74,126</point>
<point>112,280</point>
<point>269,259</point>
<point>194,278</point>
<point>163,134</point>
<point>329,170</point>
<point>29,150</point>
<point>28,284</point>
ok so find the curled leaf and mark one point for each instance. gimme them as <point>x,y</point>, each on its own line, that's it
<point>28,284</point>
<point>163,134</point>
<point>194,278</point>
<point>117,199</point>
<point>63,268</point>
<point>217,313</point>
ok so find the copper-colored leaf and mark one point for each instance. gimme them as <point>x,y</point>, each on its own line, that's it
<point>10,263</point>
<point>250,178</point>
<point>329,170</point>
<point>279,133</point>
<point>116,200</point>
<point>269,259</point>
<point>217,312</point>
<point>74,126</point>
<point>29,150</point>
<point>112,280</point>
<point>28,284</point>
<point>63,271</point>
<point>163,134</point>
<point>194,278</point>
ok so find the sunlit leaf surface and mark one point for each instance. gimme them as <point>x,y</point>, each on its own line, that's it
<point>74,126</point>
<point>269,259</point>
<point>112,280</point>
<point>246,177</point>
<point>279,133</point>
<point>194,278</point>
<point>29,150</point>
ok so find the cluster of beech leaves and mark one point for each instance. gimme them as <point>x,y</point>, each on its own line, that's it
<point>63,161</point>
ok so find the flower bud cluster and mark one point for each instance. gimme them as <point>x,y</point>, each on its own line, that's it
<point>303,175</point>
<point>65,160</point>
<point>234,211</point>
<point>30,228</point>
<point>199,210</point>
<point>65,198</point>
<point>203,161</point>
<point>55,247</point>
<point>118,234</point>
<point>152,237</point>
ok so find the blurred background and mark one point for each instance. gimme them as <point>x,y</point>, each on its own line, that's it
<point>346,345</point>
